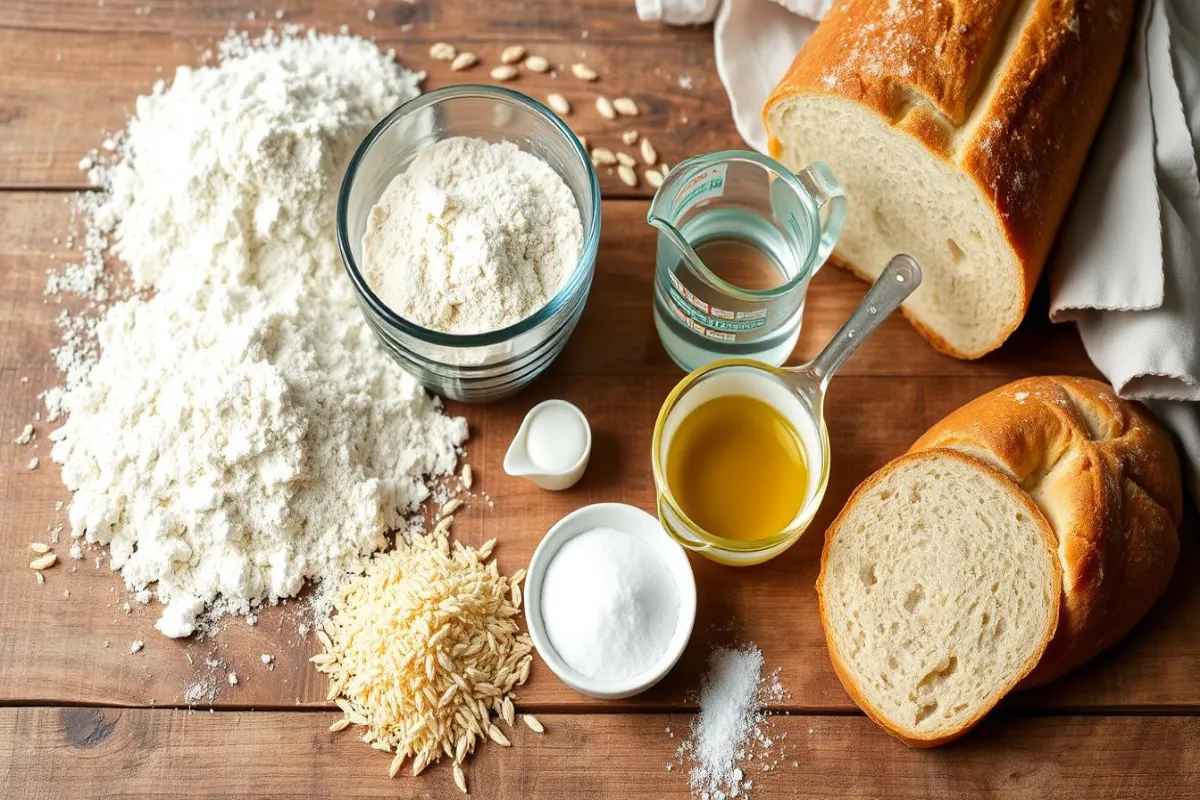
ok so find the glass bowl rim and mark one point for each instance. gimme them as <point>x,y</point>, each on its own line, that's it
<point>489,338</point>
<point>707,540</point>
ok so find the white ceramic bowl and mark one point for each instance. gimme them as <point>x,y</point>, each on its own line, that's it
<point>674,558</point>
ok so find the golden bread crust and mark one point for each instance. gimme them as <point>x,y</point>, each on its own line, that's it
<point>1106,477</point>
<point>1010,93</point>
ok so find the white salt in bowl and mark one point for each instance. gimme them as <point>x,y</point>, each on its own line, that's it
<point>673,557</point>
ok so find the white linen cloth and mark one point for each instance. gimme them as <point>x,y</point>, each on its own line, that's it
<point>1126,268</point>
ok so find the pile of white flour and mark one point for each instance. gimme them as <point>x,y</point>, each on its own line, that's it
<point>241,432</point>
<point>472,237</point>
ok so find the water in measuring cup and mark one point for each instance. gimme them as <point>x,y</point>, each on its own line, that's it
<point>742,264</point>
<point>741,249</point>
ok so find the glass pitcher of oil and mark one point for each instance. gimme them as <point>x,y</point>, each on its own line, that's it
<point>739,238</point>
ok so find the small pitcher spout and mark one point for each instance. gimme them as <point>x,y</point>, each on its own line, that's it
<point>517,461</point>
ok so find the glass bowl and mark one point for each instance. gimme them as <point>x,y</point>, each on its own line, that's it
<point>479,366</point>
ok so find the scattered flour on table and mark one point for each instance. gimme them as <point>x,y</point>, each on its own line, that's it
<point>730,739</point>
<point>238,431</point>
<point>472,237</point>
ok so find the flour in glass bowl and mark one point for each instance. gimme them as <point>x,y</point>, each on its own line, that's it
<point>240,432</point>
<point>473,237</point>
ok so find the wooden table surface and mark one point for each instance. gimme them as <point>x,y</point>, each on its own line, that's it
<point>81,716</point>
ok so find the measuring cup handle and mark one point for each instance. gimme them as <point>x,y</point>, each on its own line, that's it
<point>819,181</point>
<point>899,279</point>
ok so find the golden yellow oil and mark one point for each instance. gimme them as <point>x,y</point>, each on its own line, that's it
<point>736,468</point>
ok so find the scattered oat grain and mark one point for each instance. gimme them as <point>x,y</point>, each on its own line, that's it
<point>468,476</point>
<point>537,64</point>
<point>441,51</point>
<point>504,72</point>
<point>512,54</point>
<point>450,507</point>
<point>460,780</point>
<point>559,104</point>
<point>625,107</point>
<point>507,711</point>
<point>533,723</point>
<point>649,154</point>
<point>627,176</point>
<point>626,159</point>
<point>39,547</point>
<point>603,157</point>
<point>464,61</point>
<point>497,736</point>
<point>629,137</point>
<point>583,72</point>
<point>605,107</point>
<point>653,178</point>
<point>43,562</point>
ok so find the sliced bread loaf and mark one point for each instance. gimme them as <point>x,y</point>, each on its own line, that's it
<point>958,130</point>
<point>939,591</point>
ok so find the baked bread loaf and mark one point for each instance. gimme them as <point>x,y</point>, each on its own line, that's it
<point>926,644</point>
<point>1106,477</point>
<point>958,129</point>
<point>939,592</point>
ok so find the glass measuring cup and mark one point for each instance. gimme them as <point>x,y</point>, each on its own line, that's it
<point>739,238</point>
<point>798,394</point>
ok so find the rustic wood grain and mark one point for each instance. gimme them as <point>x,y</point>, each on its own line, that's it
<point>69,70</point>
<point>616,336</point>
<point>72,68</point>
<point>616,371</point>
<point>472,21</point>
<point>79,752</point>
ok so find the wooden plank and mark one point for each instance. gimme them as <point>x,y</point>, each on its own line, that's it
<point>470,21</point>
<point>70,70</point>
<point>615,337</point>
<point>876,409</point>
<point>66,753</point>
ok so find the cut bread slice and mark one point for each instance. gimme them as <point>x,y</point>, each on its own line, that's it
<point>939,591</point>
<point>909,199</point>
